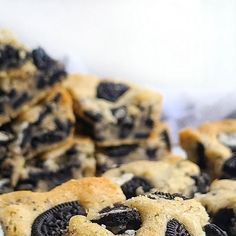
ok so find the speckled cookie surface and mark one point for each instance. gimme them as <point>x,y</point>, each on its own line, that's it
<point>25,76</point>
<point>172,174</point>
<point>113,111</point>
<point>22,213</point>
<point>212,147</point>
<point>155,147</point>
<point>43,127</point>
<point>141,216</point>
<point>73,159</point>
<point>220,203</point>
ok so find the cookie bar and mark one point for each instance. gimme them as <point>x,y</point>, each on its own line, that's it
<point>26,213</point>
<point>25,76</point>
<point>155,147</point>
<point>71,160</point>
<point>172,174</point>
<point>112,111</point>
<point>220,203</point>
<point>162,215</point>
<point>45,125</point>
<point>212,147</point>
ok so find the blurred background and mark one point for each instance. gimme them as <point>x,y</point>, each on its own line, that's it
<point>186,49</point>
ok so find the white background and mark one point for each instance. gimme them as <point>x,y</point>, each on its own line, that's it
<point>185,48</point>
<point>171,42</point>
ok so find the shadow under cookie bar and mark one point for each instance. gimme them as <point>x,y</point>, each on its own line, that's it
<point>172,174</point>
<point>156,147</point>
<point>112,111</point>
<point>212,147</point>
<point>48,213</point>
<point>25,76</point>
<point>73,159</point>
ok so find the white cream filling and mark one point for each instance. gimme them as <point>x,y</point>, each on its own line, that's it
<point>228,139</point>
<point>1,231</point>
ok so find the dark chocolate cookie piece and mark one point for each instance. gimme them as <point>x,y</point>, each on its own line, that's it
<point>201,156</point>
<point>11,57</point>
<point>120,151</point>
<point>136,183</point>
<point>167,196</point>
<point>225,219</point>
<point>175,228</point>
<point>119,218</point>
<point>202,182</point>
<point>55,220</point>
<point>229,168</point>
<point>214,230</point>
<point>111,91</point>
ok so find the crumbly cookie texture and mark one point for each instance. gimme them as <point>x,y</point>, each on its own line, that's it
<point>142,215</point>
<point>25,76</point>
<point>111,111</point>
<point>212,147</point>
<point>73,159</point>
<point>156,147</point>
<point>172,174</point>
<point>220,203</point>
<point>44,126</point>
<point>26,213</point>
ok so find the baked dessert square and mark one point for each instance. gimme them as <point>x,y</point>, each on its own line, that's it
<point>220,202</point>
<point>172,174</point>
<point>73,159</point>
<point>155,147</point>
<point>160,214</point>
<point>112,111</point>
<point>212,147</point>
<point>25,76</point>
<point>26,213</point>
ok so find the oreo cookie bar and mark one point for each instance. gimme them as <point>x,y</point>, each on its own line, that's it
<point>25,76</point>
<point>71,160</point>
<point>156,147</point>
<point>26,213</point>
<point>112,111</point>
<point>212,146</point>
<point>220,203</point>
<point>162,215</point>
<point>45,125</point>
<point>172,175</point>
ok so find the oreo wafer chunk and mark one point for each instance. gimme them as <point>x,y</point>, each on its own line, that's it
<point>55,220</point>
<point>167,196</point>
<point>119,218</point>
<point>175,228</point>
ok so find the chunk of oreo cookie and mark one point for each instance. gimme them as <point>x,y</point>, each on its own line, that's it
<point>225,219</point>
<point>202,183</point>
<point>167,196</point>
<point>120,151</point>
<point>119,219</point>
<point>201,156</point>
<point>131,187</point>
<point>11,57</point>
<point>175,228</point>
<point>55,220</point>
<point>41,59</point>
<point>214,230</point>
<point>229,168</point>
<point>111,91</point>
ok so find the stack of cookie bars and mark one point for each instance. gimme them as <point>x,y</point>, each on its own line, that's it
<point>106,135</point>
